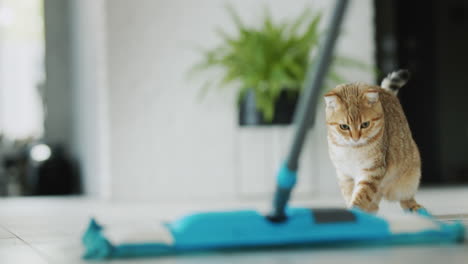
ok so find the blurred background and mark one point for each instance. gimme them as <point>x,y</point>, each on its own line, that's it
<point>97,97</point>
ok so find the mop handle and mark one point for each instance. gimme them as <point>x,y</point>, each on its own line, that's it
<point>304,116</point>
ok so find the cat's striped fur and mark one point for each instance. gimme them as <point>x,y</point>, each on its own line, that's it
<point>371,145</point>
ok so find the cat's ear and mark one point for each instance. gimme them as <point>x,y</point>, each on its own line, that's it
<point>331,100</point>
<point>372,97</point>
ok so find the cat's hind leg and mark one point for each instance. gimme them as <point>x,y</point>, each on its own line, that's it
<point>410,205</point>
<point>403,189</point>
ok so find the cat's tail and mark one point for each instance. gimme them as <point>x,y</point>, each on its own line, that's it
<point>395,80</point>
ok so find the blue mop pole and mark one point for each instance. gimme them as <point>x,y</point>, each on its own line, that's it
<point>304,117</point>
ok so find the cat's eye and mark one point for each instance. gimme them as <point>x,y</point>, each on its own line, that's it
<point>365,124</point>
<point>344,127</point>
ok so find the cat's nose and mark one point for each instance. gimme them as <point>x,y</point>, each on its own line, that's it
<point>355,135</point>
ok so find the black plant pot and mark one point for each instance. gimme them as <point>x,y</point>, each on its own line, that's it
<point>284,110</point>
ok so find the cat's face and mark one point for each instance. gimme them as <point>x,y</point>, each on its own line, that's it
<point>354,114</point>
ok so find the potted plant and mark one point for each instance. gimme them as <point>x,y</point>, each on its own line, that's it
<point>267,65</point>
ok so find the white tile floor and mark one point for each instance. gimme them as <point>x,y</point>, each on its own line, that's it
<point>48,230</point>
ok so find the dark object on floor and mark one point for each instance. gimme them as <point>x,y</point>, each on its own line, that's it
<point>53,173</point>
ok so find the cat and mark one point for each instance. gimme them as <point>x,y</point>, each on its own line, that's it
<point>370,144</point>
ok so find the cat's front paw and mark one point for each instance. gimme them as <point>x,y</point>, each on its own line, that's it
<point>369,208</point>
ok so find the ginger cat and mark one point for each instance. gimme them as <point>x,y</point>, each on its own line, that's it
<point>370,144</point>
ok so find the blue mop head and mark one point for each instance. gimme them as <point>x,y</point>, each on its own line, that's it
<point>240,229</point>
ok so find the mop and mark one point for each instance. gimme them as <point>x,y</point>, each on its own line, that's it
<point>284,226</point>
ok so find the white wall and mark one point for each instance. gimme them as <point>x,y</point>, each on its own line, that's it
<point>164,144</point>
<point>89,91</point>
